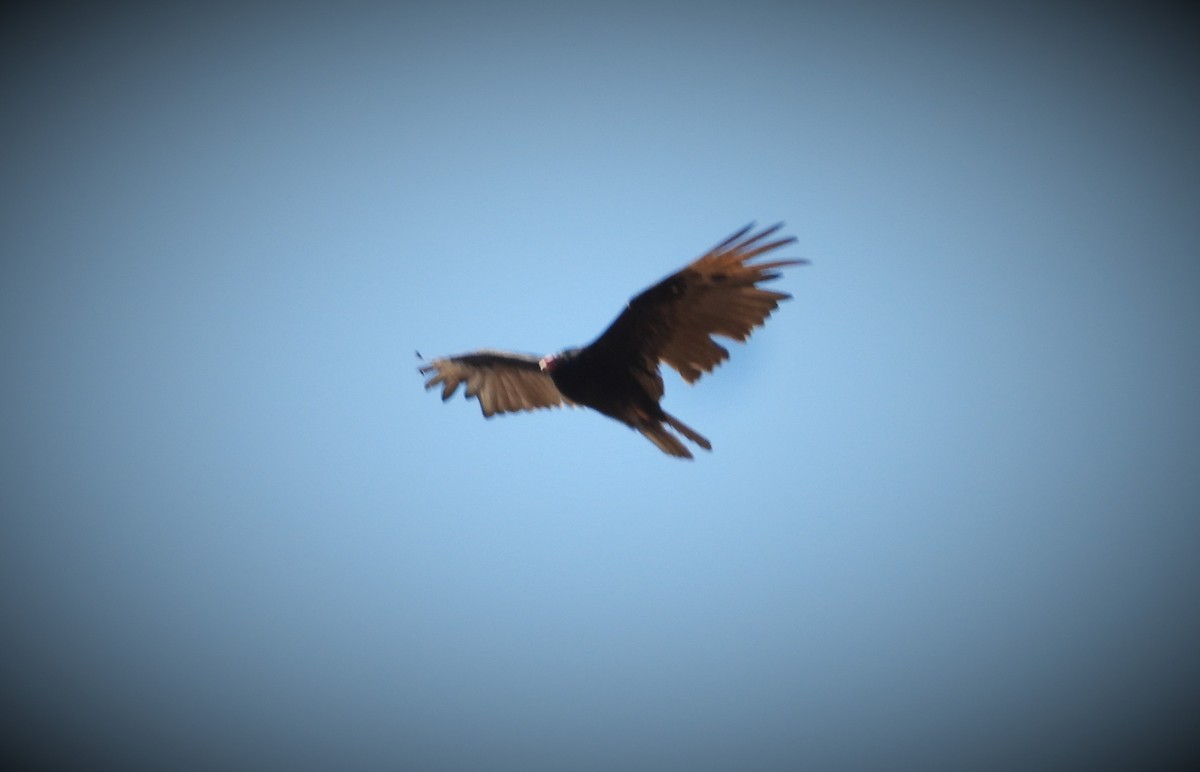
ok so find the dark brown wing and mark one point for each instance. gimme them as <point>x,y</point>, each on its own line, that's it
<point>718,294</point>
<point>503,382</point>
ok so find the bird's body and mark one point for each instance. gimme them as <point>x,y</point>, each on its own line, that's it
<point>618,373</point>
<point>593,377</point>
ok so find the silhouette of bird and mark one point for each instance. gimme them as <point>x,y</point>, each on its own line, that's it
<point>618,373</point>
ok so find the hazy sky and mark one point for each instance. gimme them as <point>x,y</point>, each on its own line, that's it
<point>951,514</point>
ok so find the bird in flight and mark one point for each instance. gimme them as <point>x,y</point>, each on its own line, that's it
<point>618,373</point>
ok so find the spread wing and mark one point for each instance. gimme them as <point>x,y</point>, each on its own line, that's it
<point>718,294</point>
<point>503,382</point>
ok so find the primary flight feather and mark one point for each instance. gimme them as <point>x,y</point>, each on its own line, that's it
<point>618,373</point>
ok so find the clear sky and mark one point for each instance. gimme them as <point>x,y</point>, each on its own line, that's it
<point>950,518</point>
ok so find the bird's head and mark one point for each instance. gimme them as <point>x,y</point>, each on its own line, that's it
<point>549,362</point>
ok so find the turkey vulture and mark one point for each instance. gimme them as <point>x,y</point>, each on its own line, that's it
<point>617,374</point>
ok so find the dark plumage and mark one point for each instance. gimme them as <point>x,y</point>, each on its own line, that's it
<point>618,373</point>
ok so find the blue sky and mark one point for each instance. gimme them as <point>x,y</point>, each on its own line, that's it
<point>950,517</point>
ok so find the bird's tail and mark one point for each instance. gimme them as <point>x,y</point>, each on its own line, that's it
<point>687,431</point>
<point>666,441</point>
